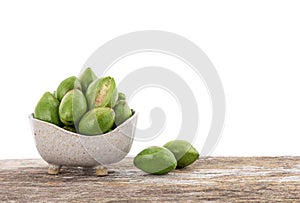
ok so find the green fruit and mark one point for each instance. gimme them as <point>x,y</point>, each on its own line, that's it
<point>155,160</point>
<point>122,111</point>
<point>100,92</point>
<point>184,152</point>
<point>121,96</point>
<point>70,128</point>
<point>72,107</point>
<point>86,78</point>
<point>67,85</point>
<point>97,121</point>
<point>55,94</point>
<point>114,99</point>
<point>114,125</point>
<point>47,109</point>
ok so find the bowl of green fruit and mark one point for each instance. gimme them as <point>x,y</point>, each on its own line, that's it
<point>86,122</point>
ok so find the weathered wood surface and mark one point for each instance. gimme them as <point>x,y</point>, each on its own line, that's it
<point>221,179</point>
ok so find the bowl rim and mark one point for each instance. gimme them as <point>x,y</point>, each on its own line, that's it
<point>134,115</point>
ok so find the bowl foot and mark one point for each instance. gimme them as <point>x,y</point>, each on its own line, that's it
<point>101,171</point>
<point>53,169</point>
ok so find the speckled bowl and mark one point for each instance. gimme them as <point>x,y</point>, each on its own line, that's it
<point>59,147</point>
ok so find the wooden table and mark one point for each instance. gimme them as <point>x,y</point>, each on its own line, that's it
<point>217,179</point>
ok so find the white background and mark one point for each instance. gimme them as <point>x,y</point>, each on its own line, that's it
<point>254,45</point>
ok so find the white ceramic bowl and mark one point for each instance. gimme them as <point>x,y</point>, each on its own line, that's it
<point>59,147</point>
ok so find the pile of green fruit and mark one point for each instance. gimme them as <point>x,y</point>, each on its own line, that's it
<point>161,160</point>
<point>87,105</point>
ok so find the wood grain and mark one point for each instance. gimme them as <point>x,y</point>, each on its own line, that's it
<point>219,179</point>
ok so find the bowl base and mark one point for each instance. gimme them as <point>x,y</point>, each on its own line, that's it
<point>101,171</point>
<point>54,170</point>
